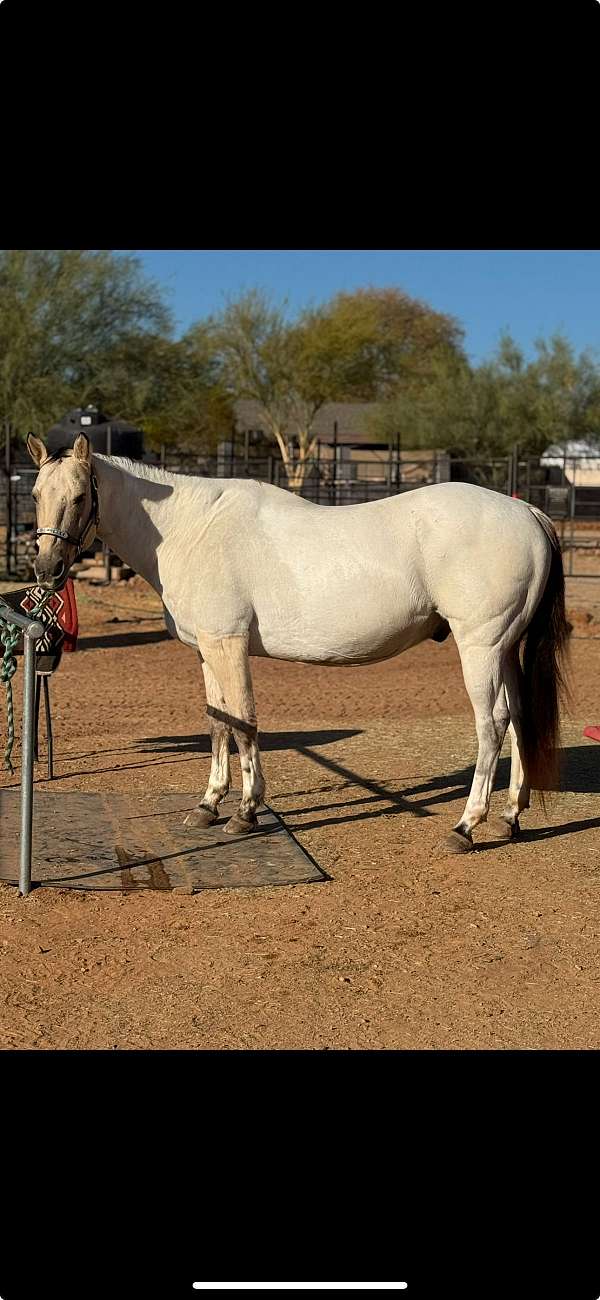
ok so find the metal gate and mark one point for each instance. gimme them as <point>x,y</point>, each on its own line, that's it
<point>564,489</point>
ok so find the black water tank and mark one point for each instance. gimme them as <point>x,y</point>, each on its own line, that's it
<point>114,437</point>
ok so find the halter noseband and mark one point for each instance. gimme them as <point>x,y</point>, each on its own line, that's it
<point>91,524</point>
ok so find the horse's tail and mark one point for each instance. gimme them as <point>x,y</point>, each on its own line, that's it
<point>544,685</point>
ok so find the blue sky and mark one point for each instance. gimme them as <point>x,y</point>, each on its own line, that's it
<point>531,292</point>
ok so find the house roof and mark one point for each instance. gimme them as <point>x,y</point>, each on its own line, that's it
<point>353,420</point>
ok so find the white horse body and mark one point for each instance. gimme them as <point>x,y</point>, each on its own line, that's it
<point>352,584</point>
<point>244,568</point>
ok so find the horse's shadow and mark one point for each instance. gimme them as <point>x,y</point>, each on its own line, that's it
<point>580,774</point>
<point>109,640</point>
<point>580,764</point>
<point>268,740</point>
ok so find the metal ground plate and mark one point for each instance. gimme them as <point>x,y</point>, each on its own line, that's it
<point>128,842</point>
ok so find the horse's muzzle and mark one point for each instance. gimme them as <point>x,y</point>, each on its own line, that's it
<point>49,569</point>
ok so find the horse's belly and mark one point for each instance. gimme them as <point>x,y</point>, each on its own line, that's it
<point>335,641</point>
<point>355,622</point>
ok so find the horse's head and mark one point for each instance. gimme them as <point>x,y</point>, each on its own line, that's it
<point>66,500</point>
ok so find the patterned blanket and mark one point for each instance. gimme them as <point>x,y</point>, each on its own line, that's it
<point>59,618</point>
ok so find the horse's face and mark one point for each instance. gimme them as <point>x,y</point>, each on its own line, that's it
<point>64,506</point>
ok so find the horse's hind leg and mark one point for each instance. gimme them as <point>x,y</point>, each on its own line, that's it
<point>228,660</point>
<point>220,775</point>
<point>482,672</point>
<point>518,793</point>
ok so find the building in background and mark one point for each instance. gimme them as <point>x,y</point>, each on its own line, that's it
<point>107,436</point>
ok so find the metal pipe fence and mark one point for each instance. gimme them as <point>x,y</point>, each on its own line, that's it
<point>32,631</point>
<point>337,474</point>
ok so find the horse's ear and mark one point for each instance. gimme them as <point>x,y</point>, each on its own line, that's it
<point>36,449</point>
<point>81,448</point>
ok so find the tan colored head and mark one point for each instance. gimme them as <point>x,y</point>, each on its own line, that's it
<point>63,497</point>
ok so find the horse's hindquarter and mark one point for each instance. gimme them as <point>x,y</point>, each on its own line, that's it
<point>485,556</point>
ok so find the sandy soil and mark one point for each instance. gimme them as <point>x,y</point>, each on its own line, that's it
<point>369,767</point>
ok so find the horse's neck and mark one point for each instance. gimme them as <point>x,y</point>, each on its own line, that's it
<point>137,515</point>
<point>124,522</point>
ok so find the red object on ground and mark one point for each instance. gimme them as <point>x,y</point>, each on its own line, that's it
<point>593,733</point>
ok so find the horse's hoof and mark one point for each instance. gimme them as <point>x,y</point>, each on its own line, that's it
<point>200,817</point>
<point>238,825</point>
<point>506,830</point>
<point>457,843</point>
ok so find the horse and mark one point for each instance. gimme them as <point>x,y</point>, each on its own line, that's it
<point>244,569</point>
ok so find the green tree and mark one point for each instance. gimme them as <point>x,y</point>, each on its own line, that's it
<point>566,390</point>
<point>446,412</point>
<point>250,340</point>
<point>181,399</point>
<point>80,326</point>
<point>504,402</point>
<point>357,347</point>
<point>64,316</point>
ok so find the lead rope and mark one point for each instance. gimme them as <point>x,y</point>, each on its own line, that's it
<point>9,636</point>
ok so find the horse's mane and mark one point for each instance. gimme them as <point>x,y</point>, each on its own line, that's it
<point>154,473</point>
<point>142,470</point>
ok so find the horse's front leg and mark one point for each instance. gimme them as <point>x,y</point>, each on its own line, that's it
<point>220,774</point>
<point>228,660</point>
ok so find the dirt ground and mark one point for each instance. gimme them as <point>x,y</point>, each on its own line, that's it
<point>401,948</point>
